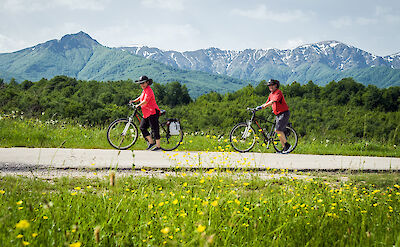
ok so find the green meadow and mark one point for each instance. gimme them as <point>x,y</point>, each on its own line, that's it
<point>202,209</point>
<point>17,132</point>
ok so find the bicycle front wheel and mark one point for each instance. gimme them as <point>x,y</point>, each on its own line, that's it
<point>291,138</point>
<point>122,134</point>
<point>242,137</point>
<point>170,140</point>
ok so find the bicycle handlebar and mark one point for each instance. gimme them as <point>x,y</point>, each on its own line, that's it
<point>252,109</point>
<point>132,105</point>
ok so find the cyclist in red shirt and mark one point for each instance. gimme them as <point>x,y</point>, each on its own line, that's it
<point>150,111</point>
<point>280,109</point>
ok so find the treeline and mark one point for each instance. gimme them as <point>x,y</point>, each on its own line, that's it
<point>345,110</point>
<point>90,102</point>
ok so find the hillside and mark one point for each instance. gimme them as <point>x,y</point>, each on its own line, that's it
<point>81,57</point>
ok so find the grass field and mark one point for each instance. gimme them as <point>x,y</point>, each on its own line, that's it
<point>202,209</point>
<point>196,208</point>
<point>35,133</point>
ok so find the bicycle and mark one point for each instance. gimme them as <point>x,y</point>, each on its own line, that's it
<point>122,133</point>
<point>243,137</point>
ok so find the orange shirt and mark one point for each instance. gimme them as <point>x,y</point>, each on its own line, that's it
<point>151,106</point>
<point>279,105</point>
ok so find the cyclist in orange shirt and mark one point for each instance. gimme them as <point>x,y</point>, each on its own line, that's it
<point>280,109</point>
<point>150,111</point>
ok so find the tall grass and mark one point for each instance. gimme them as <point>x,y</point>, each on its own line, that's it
<point>203,209</point>
<point>35,133</point>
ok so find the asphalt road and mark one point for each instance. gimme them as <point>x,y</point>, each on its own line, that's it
<point>25,159</point>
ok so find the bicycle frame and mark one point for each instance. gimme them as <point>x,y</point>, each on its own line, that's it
<point>267,137</point>
<point>139,116</point>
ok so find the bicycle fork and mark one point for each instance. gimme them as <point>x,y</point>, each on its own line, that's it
<point>126,127</point>
<point>123,134</point>
<point>246,131</point>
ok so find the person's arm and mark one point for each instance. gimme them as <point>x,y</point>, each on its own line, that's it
<point>272,100</point>
<point>268,103</point>
<point>134,100</point>
<point>141,103</point>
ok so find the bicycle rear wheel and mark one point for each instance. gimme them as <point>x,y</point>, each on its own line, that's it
<point>291,138</point>
<point>242,137</point>
<point>170,141</point>
<point>121,134</point>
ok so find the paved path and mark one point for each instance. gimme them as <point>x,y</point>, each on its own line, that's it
<point>44,158</point>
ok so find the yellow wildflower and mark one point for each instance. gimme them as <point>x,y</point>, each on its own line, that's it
<point>214,203</point>
<point>20,236</point>
<point>22,224</point>
<point>77,244</point>
<point>45,217</point>
<point>165,230</point>
<point>25,243</point>
<point>201,228</point>
<point>2,192</point>
<point>34,234</point>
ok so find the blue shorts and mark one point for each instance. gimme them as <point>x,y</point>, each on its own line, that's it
<point>282,121</point>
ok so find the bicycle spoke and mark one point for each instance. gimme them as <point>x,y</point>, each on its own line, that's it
<point>242,137</point>
<point>121,134</point>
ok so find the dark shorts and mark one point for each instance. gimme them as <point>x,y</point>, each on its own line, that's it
<point>152,122</point>
<point>282,121</point>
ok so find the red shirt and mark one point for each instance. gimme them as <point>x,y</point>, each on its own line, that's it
<point>279,105</point>
<point>150,107</point>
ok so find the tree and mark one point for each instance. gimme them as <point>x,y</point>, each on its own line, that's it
<point>372,97</point>
<point>294,90</point>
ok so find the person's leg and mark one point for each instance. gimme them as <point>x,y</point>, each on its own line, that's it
<point>282,137</point>
<point>155,128</point>
<point>282,121</point>
<point>144,125</point>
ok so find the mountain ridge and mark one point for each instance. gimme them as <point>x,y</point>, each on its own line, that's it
<point>204,70</point>
<point>81,57</point>
<point>335,59</point>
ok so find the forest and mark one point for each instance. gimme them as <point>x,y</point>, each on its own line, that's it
<point>343,110</point>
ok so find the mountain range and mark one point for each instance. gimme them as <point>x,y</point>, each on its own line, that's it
<point>80,56</point>
<point>320,62</point>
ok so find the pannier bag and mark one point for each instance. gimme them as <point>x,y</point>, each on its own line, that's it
<point>174,128</point>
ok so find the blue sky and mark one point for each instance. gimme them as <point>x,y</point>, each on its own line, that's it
<point>195,24</point>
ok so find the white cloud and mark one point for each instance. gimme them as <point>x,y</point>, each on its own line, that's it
<point>293,43</point>
<point>40,5</point>
<point>8,44</point>
<point>164,4</point>
<point>342,22</point>
<point>263,13</point>
<point>365,21</point>
<point>381,15</point>
<point>387,15</point>
<point>84,5</point>
<point>164,36</point>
